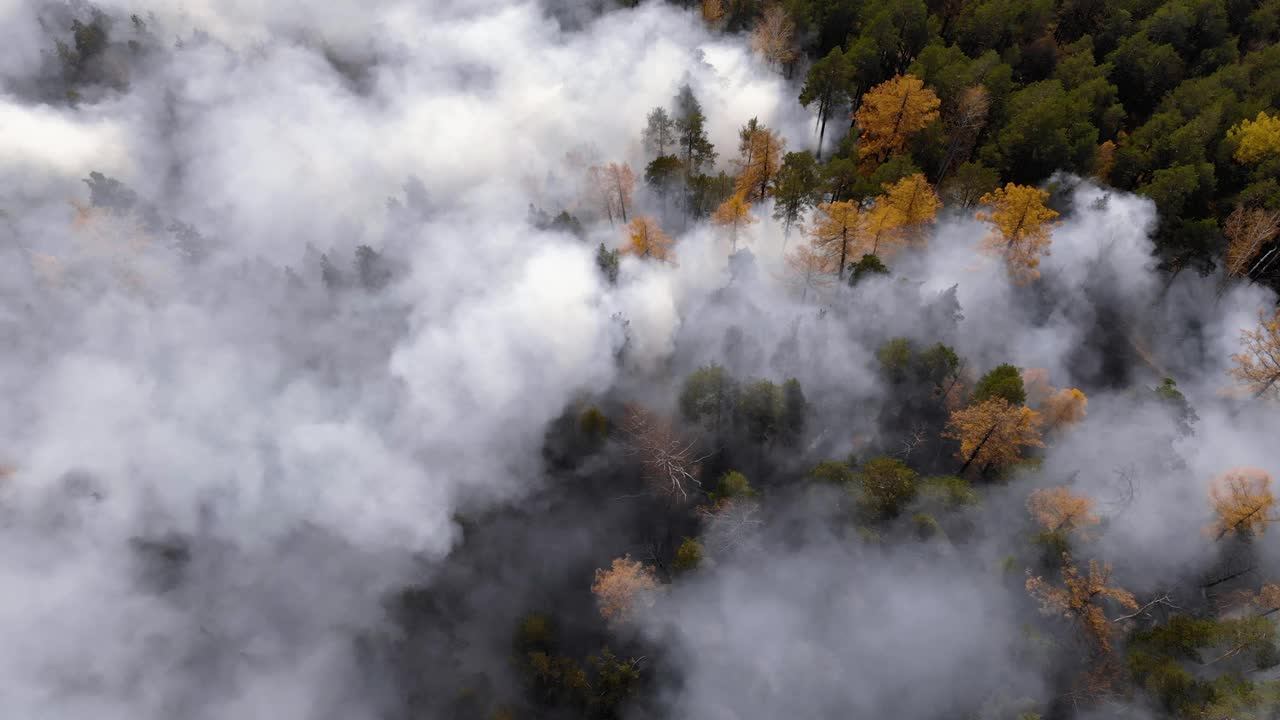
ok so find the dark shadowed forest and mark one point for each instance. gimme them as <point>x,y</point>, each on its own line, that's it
<point>616,360</point>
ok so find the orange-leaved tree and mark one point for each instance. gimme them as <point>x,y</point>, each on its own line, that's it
<point>1021,228</point>
<point>623,588</point>
<point>645,239</point>
<point>1058,510</point>
<point>1081,598</point>
<point>1064,408</point>
<point>993,433</point>
<point>891,113</point>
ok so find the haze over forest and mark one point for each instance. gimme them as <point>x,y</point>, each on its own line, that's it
<point>718,360</point>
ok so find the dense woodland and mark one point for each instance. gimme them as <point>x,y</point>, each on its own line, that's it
<point>992,111</point>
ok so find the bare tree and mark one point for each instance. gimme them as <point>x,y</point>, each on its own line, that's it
<point>670,462</point>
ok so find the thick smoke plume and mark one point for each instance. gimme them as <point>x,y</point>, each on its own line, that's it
<point>229,436</point>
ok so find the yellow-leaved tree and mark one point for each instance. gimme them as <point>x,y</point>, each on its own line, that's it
<point>1256,140</point>
<point>993,433</point>
<point>913,205</point>
<point>1242,500</point>
<point>1258,367</point>
<point>891,113</point>
<point>876,232</point>
<point>1021,228</point>
<point>733,215</point>
<point>1247,230</point>
<point>835,231</point>
<point>1064,408</point>
<point>1058,510</point>
<point>645,239</point>
<point>761,161</point>
<point>809,270</point>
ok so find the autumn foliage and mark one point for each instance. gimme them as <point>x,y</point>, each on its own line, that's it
<point>623,588</point>
<point>1242,500</point>
<point>733,215</point>
<point>835,233</point>
<point>1058,510</point>
<point>646,239</point>
<point>1247,231</point>
<point>1021,227</point>
<point>891,113</point>
<point>1258,367</point>
<point>993,433</point>
<point>1081,598</point>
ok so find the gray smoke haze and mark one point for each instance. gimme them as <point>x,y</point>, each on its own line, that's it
<point>316,455</point>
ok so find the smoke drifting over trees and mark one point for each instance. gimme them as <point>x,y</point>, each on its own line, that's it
<point>515,359</point>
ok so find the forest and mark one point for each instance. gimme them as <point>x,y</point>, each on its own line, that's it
<point>629,359</point>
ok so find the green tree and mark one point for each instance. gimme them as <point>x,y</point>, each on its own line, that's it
<point>709,397</point>
<point>887,485</point>
<point>1004,381</point>
<point>795,189</point>
<point>760,410</point>
<point>691,132</point>
<point>827,86</point>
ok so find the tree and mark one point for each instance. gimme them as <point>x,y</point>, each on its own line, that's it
<point>774,37</point>
<point>646,239</point>
<point>761,162</point>
<point>809,269</point>
<point>733,215</point>
<point>1242,499</point>
<point>598,180</point>
<point>760,409</point>
<point>993,433</point>
<point>970,182</point>
<point>607,262</point>
<point>827,85</point>
<point>688,556</point>
<point>867,266</point>
<point>834,232</point>
<point>794,411</point>
<point>1080,599</point>
<point>662,174</point>
<point>1258,367</point>
<point>891,113</point>
<point>795,189</point>
<point>622,589</point>
<point>1003,381</point>
<point>691,133</point>
<point>1247,231</point>
<point>1064,408</point>
<point>965,124</point>
<point>708,397</point>
<point>659,132</point>
<point>618,183</point>
<point>1060,511</point>
<point>1021,228</point>
<point>888,486</point>
<point>913,205</point>
<point>669,462</point>
<point>1256,140</point>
